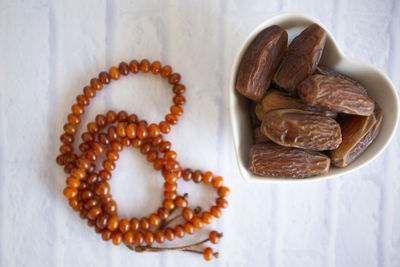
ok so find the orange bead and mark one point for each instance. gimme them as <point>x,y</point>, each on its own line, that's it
<point>206,217</point>
<point>128,238</point>
<point>170,187</point>
<point>93,127</point>
<point>131,130</point>
<point>174,78</point>
<point>163,213</point>
<point>108,165</point>
<point>122,116</point>
<point>223,191</point>
<point>96,84</point>
<point>189,228</point>
<point>168,204</point>
<point>73,182</point>
<point>106,235</point>
<point>187,174</point>
<point>170,195</point>
<point>117,146</point>
<point>170,155</point>
<point>116,238</point>
<point>176,110</point>
<point>112,155</point>
<point>179,89</point>
<point>77,109</point>
<point>124,225</point>
<point>144,223</point>
<point>153,130</point>
<point>135,224</point>
<point>67,138</point>
<point>89,92</point>
<point>144,65</point>
<point>123,68</point>
<point>164,127</point>
<point>70,192</point>
<point>159,236</point>
<point>179,100</point>
<point>94,212</point>
<point>166,71</point>
<point>180,201</point>
<point>207,177</point>
<point>171,177</point>
<point>134,66</point>
<point>132,118</point>
<point>70,129</point>
<point>101,120</point>
<point>221,203</point>
<point>111,116</point>
<point>78,173</point>
<point>215,211</point>
<point>164,146</point>
<point>179,231</point>
<point>197,222</point>
<point>111,208</point>
<point>145,148</point>
<point>136,142</point>
<point>197,176</point>
<point>169,234</point>
<point>74,119</point>
<point>142,132</point>
<point>114,73</point>
<point>217,181</point>
<point>97,147</point>
<point>105,175</point>
<point>187,214</point>
<point>149,237</point>
<point>112,223</point>
<point>214,237</point>
<point>158,164</point>
<point>104,77</point>
<point>155,141</point>
<point>82,100</point>
<point>152,156</point>
<point>121,129</point>
<point>102,188</point>
<point>208,253</point>
<point>155,67</point>
<point>66,149</point>
<point>138,237</point>
<point>154,219</point>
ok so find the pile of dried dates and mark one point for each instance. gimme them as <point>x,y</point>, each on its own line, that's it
<point>305,116</point>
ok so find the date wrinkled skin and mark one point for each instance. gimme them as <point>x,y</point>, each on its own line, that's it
<point>259,137</point>
<point>255,122</point>
<point>260,62</point>
<point>330,72</point>
<point>335,94</point>
<point>276,99</point>
<point>358,132</point>
<point>274,160</point>
<point>301,129</point>
<point>302,58</point>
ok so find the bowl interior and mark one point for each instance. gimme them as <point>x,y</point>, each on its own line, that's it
<point>378,85</point>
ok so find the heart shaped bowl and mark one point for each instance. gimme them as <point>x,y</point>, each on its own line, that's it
<point>378,85</point>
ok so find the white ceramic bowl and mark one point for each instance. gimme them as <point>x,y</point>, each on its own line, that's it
<point>378,85</point>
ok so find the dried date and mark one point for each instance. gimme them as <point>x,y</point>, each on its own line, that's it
<point>276,99</point>
<point>335,94</point>
<point>302,129</point>
<point>330,72</point>
<point>260,62</point>
<point>274,160</point>
<point>302,58</point>
<point>358,132</point>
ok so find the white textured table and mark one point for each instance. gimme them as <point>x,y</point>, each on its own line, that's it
<point>50,49</point>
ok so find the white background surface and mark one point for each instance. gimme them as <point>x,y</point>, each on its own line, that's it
<point>49,50</point>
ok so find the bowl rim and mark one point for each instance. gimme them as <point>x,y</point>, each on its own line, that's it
<point>232,82</point>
